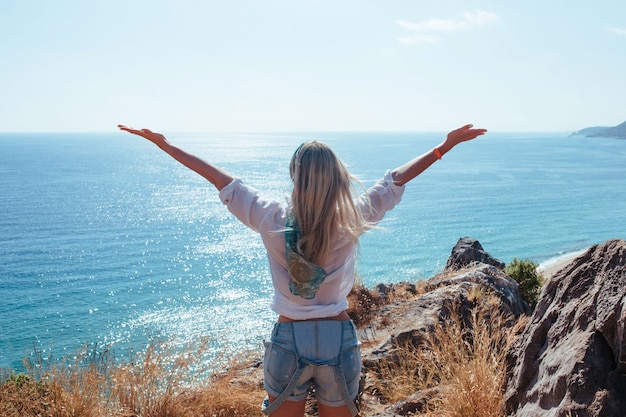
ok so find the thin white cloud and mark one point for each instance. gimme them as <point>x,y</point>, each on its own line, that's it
<point>480,17</point>
<point>617,31</point>
<point>425,31</point>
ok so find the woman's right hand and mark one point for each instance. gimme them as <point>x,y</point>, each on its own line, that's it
<point>463,134</point>
<point>153,137</point>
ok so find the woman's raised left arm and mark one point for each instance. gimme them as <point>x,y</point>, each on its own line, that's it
<point>415,167</point>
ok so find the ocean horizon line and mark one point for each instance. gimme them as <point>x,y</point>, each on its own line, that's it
<point>333,131</point>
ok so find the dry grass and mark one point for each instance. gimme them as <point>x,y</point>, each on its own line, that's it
<point>161,383</point>
<point>460,366</point>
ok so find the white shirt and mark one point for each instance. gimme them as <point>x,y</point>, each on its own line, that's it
<point>268,217</point>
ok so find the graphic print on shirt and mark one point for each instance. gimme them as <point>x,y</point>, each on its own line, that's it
<point>305,277</point>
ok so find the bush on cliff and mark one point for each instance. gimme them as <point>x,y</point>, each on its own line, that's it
<point>524,272</point>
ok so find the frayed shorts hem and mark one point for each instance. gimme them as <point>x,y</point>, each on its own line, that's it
<point>302,397</point>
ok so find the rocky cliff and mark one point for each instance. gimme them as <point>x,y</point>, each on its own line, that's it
<point>569,360</point>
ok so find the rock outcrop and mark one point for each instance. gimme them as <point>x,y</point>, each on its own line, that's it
<point>470,274</point>
<point>468,251</point>
<point>571,358</point>
<point>454,288</point>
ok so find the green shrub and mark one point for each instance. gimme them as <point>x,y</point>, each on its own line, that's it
<point>524,272</point>
<point>22,395</point>
<point>18,379</point>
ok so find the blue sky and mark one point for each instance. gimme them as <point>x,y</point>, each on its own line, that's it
<point>295,65</point>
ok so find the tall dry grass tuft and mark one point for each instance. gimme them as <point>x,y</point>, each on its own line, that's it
<point>150,384</point>
<point>78,392</point>
<point>472,362</point>
<point>460,366</point>
<point>232,392</point>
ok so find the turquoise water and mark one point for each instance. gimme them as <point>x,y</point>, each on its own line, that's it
<point>104,239</point>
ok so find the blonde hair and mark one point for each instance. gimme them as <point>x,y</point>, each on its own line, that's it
<point>322,201</point>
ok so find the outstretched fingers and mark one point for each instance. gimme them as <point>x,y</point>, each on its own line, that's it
<point>129,129</point>
<point>144,133</point>
<point>466,133</point>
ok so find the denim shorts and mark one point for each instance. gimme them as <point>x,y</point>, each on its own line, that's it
<point>324,354</point>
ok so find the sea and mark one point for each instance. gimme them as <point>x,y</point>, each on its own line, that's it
<point>108,243</point>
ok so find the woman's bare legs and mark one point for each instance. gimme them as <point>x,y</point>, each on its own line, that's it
<point>296,408</point>
<point>326,411</point>
<point>289,408</point>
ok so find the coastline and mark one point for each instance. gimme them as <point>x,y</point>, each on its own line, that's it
<point>553,265</point>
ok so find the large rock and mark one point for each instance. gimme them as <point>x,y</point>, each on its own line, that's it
<point>571,358</point>
<point>468,251</point>
<point>488,277</point>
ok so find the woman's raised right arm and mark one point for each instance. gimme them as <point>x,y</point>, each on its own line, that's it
<point>213,174</point>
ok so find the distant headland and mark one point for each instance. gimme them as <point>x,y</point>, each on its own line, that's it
<point>618,131</point>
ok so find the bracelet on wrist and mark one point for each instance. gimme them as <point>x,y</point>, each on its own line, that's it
<point>437,153</point>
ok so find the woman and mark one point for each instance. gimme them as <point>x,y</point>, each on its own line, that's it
<point>311,245</point>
